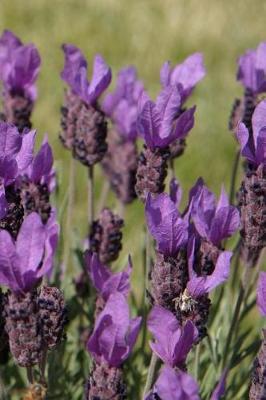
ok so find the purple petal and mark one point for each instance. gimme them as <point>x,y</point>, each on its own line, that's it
<point>261,147</point>
<point>243,139</point>
<point>133,331</point>
<point>189,73</point>
<point>10,274</point>
<point>219,391</point>
<point>259,120</point>
<point>118,282</point>
<point>165,74</point>
<point>30,243</point>
<point>202,285</point>
<point>165,224</point>
<point>261,293</point>
<point>25,155</point>
<point>149,124</point>
<point>3,202</point>
<point>8,170</point>
<point>98,272</point>
<point>184,123</point>
<point>10,140</point>
<point>176,385</point>
<point>101,79</point>
<point>184,343</point>
<point>75,70</point>
<point>175,192</point>
<point>246,70</point>
<point>42,163</point>
<point>167,105</point>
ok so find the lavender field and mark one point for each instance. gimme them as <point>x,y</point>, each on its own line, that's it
<point>132,200</point>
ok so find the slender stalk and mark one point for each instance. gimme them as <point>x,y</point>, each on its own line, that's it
<point>197,359</point>
<point>3,394</point>
<point>148,258</point>
<point>103,196</point>
<point>171,168</point>
<point>43,365</point>
<point>30,375</point>
<point>233,177</point>
<point>151,374</point>
<point>90,196</point>
<point>70,208</point>
<point>144,305</point>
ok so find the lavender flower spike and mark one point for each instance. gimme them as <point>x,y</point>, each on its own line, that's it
<point>84,127</point>
<point>173,342</point>
<point>19,68</point>
<point>174,385</point>
<point>253,188</point>
<point>115,333</point>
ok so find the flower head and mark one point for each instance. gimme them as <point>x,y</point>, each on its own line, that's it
<point>213,222</point>
<point>158,122</point>
<point>121,104</point>
<point>115,333</point>
<point>172,342</point>
<point>19,65</point>
<point>253,148</point>
<point>75,74</point>
<point>165,224</point>
<point>186,75</point>
<point>20,260</point>
<point>104,280</point>
<point>174,385</point>
<point>252,69</point>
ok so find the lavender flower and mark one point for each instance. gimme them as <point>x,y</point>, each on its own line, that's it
<point>219,390</point>
<point>106,236</point>
<point>19,68</point>
<point>83,123</point>
<point>110,344</point>
<point>172,342</point>
<point>106,282</point>
<point>251,73</point>
<point>159,127</point>
<point>258,385</point>
<point>174,385</point>
<point>253,189</point>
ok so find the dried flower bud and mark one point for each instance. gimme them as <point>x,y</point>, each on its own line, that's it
<point>52,315</point>
<point>242,110</point>
<point>105,236</point>
<point>258,377</point>
<point>169,277</point>
<point>15,213</point>
<point>35,197</point>
<point>17,110</point>
<point>253,214</point>
<point>105,383</point>
<point>152,171</point>
<point>22,328</point>
<point>69,115</point>
<point>89,144</point>
<point>120,166</point>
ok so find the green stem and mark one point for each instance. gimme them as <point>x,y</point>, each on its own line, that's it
<point>144,305</point>
<point>151,374</point>
<point>197,358</point>
<point>233,177</point>
<point>3,394</point>
<point>70,208</point>
<point>103,196</point>
<point>43,365</point>
<point>90,197</point>
<point>30,375</point>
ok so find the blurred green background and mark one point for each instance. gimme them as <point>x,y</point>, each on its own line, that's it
<point>144,33</point>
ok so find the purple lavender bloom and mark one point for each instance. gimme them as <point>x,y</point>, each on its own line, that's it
<point>172,342</point>
<point>19,65</point>
<point>213,222</point>
<point>186,75</point>
<point>75,74</point>
<point>252,69</point>
<point>174,385</point>
<point>20,260</point>
<point>175,191</point>
<point>200,285</point>
<point>157,122</point>
<point>261,293</point>
<point>104,280</point>
<point>166,224</point>
<point>219,390</point>
<point>253,148</point>
<point>121,104</point>
<point>114,333</point>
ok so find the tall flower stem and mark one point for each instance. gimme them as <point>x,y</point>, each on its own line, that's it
<point>233,177</point>
<point>234,322</point>
<point>30,375</point>
<point>70,208</point>
<point>103,196</point>
<point>90,196</point>
<point>144,305</point>
<point>151,374</point>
